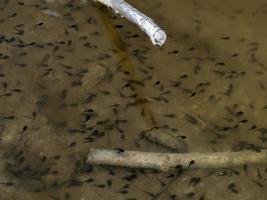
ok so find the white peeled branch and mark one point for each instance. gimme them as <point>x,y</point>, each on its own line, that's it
<point>155,33</point>
<point>170,161</point>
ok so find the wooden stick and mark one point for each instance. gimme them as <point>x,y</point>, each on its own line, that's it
<point>155,33</point>
<point>171,161</point>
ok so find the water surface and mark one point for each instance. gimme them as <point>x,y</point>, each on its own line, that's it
<point>85,78</point>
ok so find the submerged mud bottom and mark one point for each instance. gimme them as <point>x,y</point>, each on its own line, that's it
<point>75,76</point>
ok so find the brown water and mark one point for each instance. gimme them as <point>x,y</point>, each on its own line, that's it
<point>63,78</point>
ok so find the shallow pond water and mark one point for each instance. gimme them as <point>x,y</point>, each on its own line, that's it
<point>75,76</point>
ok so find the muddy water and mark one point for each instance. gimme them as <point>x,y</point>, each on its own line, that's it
<point>75,76</point>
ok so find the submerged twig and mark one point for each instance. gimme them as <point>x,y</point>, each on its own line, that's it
<point>155,33</point>
<point>170,161</point>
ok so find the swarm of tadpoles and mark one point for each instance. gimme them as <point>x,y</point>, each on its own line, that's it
<point>163,161</point>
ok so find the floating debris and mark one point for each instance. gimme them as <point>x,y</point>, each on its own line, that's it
<point>166,138</point>
<point>94,76</point>
<point>51,13</point>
